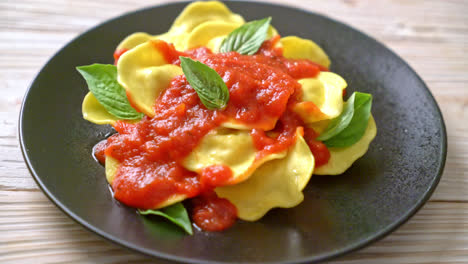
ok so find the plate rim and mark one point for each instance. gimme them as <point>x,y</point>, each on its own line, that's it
<point>311,259</point>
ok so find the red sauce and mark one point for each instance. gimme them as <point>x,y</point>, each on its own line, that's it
<point>215,175</point>
<point>167,49</point>
<point>263,90</point>
<point>318,149</point>
<point>281,137</point>
<point>130,100</point>
<point>117,55</point>
<point>211,213</point>
<point>98,151</point>
<point>151,151</point>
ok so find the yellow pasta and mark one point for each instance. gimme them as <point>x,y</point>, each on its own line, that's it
<point>242,160</point>
<point>326,93</point>
<point>209,34</point>
<point>342,158</point>
<point>111,165</point>
<point>193,16</point>
<point>94,112</point>
<point>298,48</point>
<point>196,13</point>
<point>277,183</point>
<point>144,73</point>
<point>134,40</point>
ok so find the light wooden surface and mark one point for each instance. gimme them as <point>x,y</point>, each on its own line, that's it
<point>431,35</point>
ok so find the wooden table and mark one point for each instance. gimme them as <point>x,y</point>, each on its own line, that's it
<point>431,35</point>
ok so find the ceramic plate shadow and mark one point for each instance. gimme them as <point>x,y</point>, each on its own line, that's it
<point>342,213</point>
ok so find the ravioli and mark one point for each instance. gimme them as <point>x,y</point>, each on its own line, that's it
<point>209,34</point>
<point>197,13</point>
<point>342,158</point>
<point>134,40</point>
<point>241,159</point>
<point>138,38</point>
<point>144,73</point>
<point>192,17</point>
<point>111,168</point>
<point>212,33</point>
<point>94,112</point>
<point>322,97</point>
<point>277,183</point>
<point>299,48</point>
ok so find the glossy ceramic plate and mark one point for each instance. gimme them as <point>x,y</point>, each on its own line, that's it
<point>339,214</point>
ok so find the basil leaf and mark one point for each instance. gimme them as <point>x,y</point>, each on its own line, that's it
<point>175,213</point>
<point>102,82</point>
<point>247,38</point>
<point>341,122</point>
<point>356,128</point>
<point>209,86</point>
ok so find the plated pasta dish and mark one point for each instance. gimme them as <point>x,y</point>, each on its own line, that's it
<point>221,119</point>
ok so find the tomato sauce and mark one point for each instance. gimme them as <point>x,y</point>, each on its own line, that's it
<point>211,213</point>
<point>318,148</point>
<point>117,55</point>
<point>151,151</point>
<point>263,89</point>
<point>98,151</point>
<point>215,175</point>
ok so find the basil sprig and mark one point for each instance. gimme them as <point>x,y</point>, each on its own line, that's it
<point>351,124</point>
<point>247,38</point>
<point>210,87</point>
<point>102,82</point>
<point>175,213</point>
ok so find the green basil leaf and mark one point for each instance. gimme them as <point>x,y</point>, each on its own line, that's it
<point>341,122</point>
<point>209,86</point>
<point>247,38</point>
<point>356,128</point>
<point>102,82</point>
<point>175,213</point>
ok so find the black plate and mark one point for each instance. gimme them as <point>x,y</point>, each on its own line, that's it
<point>339,214</point>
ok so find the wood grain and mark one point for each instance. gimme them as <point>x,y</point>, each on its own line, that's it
<point>34,230</point>
<point>431,35</point>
